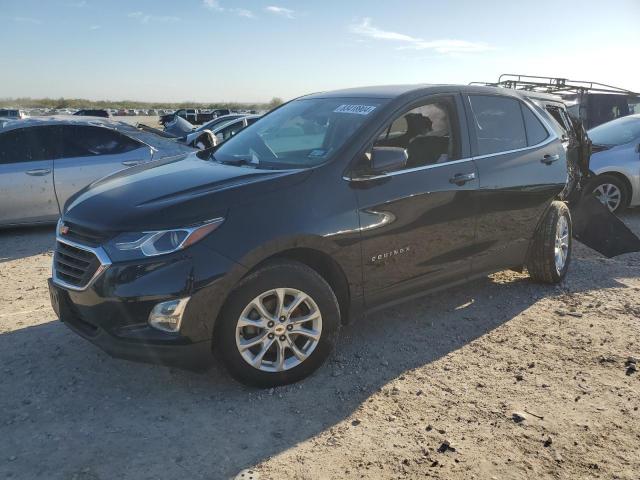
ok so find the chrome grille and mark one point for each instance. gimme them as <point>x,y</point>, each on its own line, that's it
<point>75,266</point>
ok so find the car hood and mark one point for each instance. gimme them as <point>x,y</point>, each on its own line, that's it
<point>171,193</point>
<point>163,147</point>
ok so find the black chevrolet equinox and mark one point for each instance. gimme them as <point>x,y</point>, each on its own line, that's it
<point>330,206</point>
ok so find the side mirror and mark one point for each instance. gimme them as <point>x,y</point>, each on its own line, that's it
<point>388,159</point>
<point>203,140</point>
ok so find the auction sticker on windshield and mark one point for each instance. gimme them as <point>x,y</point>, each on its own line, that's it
<point>357,109</point>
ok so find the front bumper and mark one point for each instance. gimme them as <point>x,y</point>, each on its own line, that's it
<point>113,310</point>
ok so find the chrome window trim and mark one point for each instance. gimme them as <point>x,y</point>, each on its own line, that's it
<point>100,254</point>
<point>546,141</point>
<point>365,178</point>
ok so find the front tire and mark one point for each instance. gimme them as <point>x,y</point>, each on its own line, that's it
<point>550,252</point>
<point>278,325</point>
<point>611,191</point>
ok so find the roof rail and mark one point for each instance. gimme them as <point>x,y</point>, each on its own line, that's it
<point>556,85</point>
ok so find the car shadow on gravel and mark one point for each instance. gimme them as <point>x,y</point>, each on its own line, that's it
<point>25,242</point>
<point>70,411</point>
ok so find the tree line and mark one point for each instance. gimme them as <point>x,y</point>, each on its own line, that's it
<point>78,103</point>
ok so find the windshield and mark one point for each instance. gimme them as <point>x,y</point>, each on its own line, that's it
<point>617,132</point>
<point>300,134</point>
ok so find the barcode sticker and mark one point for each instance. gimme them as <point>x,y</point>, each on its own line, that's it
<point>357,109</point>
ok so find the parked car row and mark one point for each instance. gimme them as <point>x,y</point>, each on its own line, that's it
<point>221,128</point>
<point>329,206</point>
<point>194,115</point>
<point>119,112</point>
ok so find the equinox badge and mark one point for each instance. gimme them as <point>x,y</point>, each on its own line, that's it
<point>389,254</point>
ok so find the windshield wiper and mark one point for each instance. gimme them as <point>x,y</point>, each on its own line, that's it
<point>236,162</point>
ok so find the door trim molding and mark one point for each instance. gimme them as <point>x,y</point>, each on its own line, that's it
<point>365,178</point>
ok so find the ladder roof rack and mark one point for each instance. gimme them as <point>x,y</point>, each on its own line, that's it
<point>535,83</point>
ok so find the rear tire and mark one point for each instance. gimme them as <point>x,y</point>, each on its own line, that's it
<point>262,336</point>
<point>550,252</point>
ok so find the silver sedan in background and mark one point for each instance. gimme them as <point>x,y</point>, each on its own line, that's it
<point>616,162</point>
<point>43,161</point>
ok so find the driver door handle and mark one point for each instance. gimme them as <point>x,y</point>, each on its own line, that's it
<point>462,178</point>
<point>38,172</point>
<point>549,159</point>
<point>131,163</point>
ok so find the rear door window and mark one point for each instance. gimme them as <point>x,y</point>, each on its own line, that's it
<point>45,143</point>
<point>85,141</point>
<point>14,147</point>
<point>536,133</point>
<point>498,123</point>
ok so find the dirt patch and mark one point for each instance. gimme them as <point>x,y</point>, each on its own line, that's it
<point>499,378</point>
<point>150,120</point>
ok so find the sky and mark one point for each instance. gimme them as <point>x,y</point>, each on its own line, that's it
<point>253,50</point>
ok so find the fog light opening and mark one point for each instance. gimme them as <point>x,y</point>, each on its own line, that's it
<point>167,316</point>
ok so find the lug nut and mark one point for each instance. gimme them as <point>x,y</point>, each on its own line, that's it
<point>282,318</point>
<point>289,327</point>
<point>270,324</point>
<point>282,338</point>
<point>270,336</point>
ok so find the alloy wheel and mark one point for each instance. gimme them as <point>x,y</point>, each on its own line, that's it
<point>562,243</point>
<point>609,194</point>
<point>278,329</point>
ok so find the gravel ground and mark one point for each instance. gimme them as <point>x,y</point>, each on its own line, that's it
<point>500,378</point>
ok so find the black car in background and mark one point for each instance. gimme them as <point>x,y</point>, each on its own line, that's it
<point>332,205</point>
<point>93,113</point>
<point>194,115</point>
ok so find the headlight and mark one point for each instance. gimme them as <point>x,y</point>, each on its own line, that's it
<point>127,246</point>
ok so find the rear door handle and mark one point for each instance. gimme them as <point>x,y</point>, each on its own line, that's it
<point>38,172</point>
<point>549,159</point>
<point>462,178</point>
<point>131,163</point>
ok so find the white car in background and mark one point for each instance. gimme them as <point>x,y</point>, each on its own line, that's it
<point>44,161</point>
<point>616,162</point>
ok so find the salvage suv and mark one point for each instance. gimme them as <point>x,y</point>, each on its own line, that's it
<point>328,207</point>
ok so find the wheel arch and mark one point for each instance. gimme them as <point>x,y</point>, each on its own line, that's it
<point>312,251</point>
<point>323,264</point>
